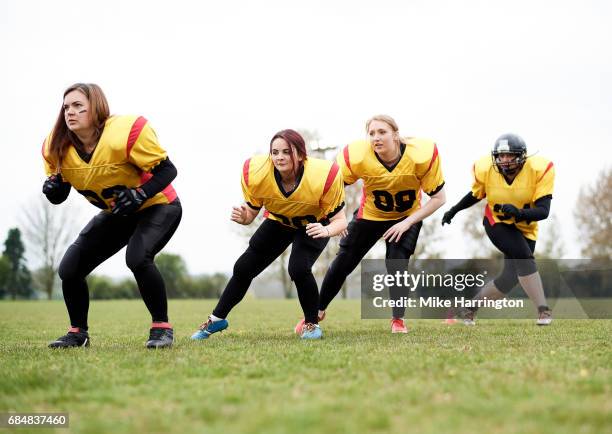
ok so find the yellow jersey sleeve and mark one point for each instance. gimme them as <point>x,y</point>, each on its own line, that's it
<point>480,170</point>
<point>143,148</point>
<point>332,199</point>
<point>428,167</point>
<point>344,162</point>
<point>50,168</point>
<point>545,181</point>
<point>249,198</point>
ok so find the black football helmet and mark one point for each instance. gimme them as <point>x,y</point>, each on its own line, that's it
<point>509,144</point>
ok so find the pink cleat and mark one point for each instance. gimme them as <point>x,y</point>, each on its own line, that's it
<point>398,326</point>
<point>450,318</point>
<point>300,325</point>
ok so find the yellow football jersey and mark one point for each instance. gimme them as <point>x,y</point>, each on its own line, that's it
<point>319,193</point>
<point>392,193</point>
<point>535,180</point>
<point>125,155</point>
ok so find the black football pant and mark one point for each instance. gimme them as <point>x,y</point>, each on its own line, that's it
<point>362,235</point>
<point>518,254</point>
<point>267,243</point>
<point>145,233</point>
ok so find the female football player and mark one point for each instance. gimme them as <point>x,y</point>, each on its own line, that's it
<point>303,198</point>
<point>518,191</point>
<point>394,171</point>
<point>117,163</point>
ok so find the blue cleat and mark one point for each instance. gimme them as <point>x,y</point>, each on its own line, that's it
<point>208,328</point>
<point>311,331</point>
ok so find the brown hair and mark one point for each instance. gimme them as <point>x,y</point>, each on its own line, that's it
<point>62,137</point>
<point>296,142</point>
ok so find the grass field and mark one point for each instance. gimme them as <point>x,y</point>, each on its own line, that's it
<point>257,377</point>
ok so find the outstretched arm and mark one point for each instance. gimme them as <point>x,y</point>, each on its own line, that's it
<point>467,201</point>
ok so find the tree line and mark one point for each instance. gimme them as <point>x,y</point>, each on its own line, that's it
<point>18,282</point>
<point>47,230</point>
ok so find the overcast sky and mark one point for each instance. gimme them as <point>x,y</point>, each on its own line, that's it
<point>217,79</point>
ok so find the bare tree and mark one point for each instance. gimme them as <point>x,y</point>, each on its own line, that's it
<point>429,238</point>
<point>352,200</point>
<point>473,232</point>
<point>279,266</point>
<point>551,244</point>
<point>48,229</point>
<point>593,213</point>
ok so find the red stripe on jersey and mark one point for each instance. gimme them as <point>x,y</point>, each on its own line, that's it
<point>362,204</point>
<point>433,157</point>
<point>245,171</point>
<point>347,159</point>
<point>134,133</point>
<point>489,215</point>
<point>266,214</point>
<point>169,191</point>
<point>330,177</point>
<point>550,165</point>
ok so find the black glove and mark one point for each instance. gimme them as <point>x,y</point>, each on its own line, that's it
<point>129,200</point>
<point>52,184</point>
<point>448,216</point>
<point>511,210</point>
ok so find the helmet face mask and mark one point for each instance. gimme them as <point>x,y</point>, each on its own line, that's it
<point>509,145</point>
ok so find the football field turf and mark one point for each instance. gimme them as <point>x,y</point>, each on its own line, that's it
<point>498,377</point>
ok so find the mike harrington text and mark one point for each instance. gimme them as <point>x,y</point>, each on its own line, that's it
<point>457,302</point>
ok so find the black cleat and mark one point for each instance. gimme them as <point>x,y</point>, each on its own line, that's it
<point>160,337</point>
<point>74,338</point>
<point>544,316</point>
<point>467,315</point>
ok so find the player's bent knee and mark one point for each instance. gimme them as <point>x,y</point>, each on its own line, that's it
<point>299,272</point>
<point>137,261</point>
<point>525,267</point>
<point>504,283</point>
<point>68,268</point>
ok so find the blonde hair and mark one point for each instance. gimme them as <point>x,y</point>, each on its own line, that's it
<point>389,121</point>
<point>383,118</point>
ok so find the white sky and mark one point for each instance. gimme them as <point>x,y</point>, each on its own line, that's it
<point>218,79</point>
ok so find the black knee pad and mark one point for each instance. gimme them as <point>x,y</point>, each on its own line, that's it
<point>505,283</point>
<point>507,279</point>
<point>525,267</point>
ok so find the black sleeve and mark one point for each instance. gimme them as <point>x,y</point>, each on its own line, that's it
<point>163,174</point>
<point>467,201</point>
<point>539,212</point>
<point>436,190</point>
<point>59,195</point>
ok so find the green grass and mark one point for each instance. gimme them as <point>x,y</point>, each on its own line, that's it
<point>501,376</point>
